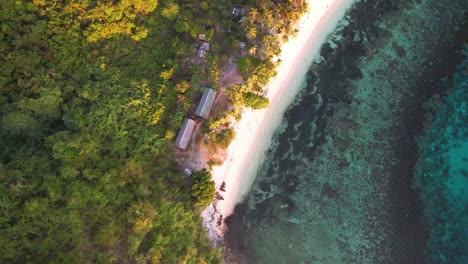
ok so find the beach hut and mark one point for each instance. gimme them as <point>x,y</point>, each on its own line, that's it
<point>205,46</point>
<point>238,12</point>
<point>185,133</point>
<point>202,49</point>
<point>235,11</point>
<point>206,102</point>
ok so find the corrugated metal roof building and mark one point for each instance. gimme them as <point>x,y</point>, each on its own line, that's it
<point>206,102</point>
<point>185,133</point>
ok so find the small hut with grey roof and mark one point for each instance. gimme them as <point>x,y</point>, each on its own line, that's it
<point>185,133</point>
<point>203,48</point>
<point>206,102</point>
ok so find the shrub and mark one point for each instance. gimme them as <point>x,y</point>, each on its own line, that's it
<point>203,188</point>
<point>255,101</point>
<point>247,64</point>
<point>224,137</point>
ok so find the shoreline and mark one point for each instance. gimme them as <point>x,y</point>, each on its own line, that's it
<point>256,127</point>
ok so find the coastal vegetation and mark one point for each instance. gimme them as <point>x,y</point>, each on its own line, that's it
<point>262,26</point>
<point>92,94</point>
<point>203,188</point>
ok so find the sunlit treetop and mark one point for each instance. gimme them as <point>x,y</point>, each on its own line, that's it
<point>100,19</point>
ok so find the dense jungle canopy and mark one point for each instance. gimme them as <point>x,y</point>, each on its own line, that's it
<point>91,96</point>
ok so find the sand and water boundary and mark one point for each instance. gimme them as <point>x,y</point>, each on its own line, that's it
<point>256,127</point>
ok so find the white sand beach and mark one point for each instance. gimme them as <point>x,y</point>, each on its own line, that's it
<point>255,129</point>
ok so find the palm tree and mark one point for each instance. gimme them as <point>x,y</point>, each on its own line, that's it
<point>251,33</point>
<point>253,50</point>
<point>253,14</point>
<point>261,4</point>
<point>275,25</point>
<point>267,18</point>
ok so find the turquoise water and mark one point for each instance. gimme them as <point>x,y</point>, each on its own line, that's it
<point>442,172</point>
<point>337,183</point>
<point>457,158</point>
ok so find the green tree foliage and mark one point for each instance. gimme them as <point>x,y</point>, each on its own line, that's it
<point>170,10</point>
<point>255,101</point>
<point>247,64</point>
<point>203,188</point>
<point>100,19</point>
<point>222,138</point>
<point>86,171</point>
<point>213,71</point>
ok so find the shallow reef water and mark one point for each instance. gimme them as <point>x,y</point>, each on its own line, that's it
<point>337,182</point>
<point>442,171</point>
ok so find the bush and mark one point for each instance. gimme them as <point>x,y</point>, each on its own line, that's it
<point>255,101</point>
<point>203,188</point>
<point>247,64</point>
<point>177,119</point>
<point>214,70</point>
<point>224,138</point>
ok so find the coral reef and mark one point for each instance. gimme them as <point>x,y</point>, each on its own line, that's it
<point>442,172</point>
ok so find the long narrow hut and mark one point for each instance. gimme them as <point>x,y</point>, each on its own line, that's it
<point>206,102</point>
<point>185,133</point>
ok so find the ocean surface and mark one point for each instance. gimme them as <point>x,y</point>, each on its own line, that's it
<point>370,163</point>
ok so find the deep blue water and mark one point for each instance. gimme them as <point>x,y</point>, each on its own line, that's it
<point>345,179</point>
